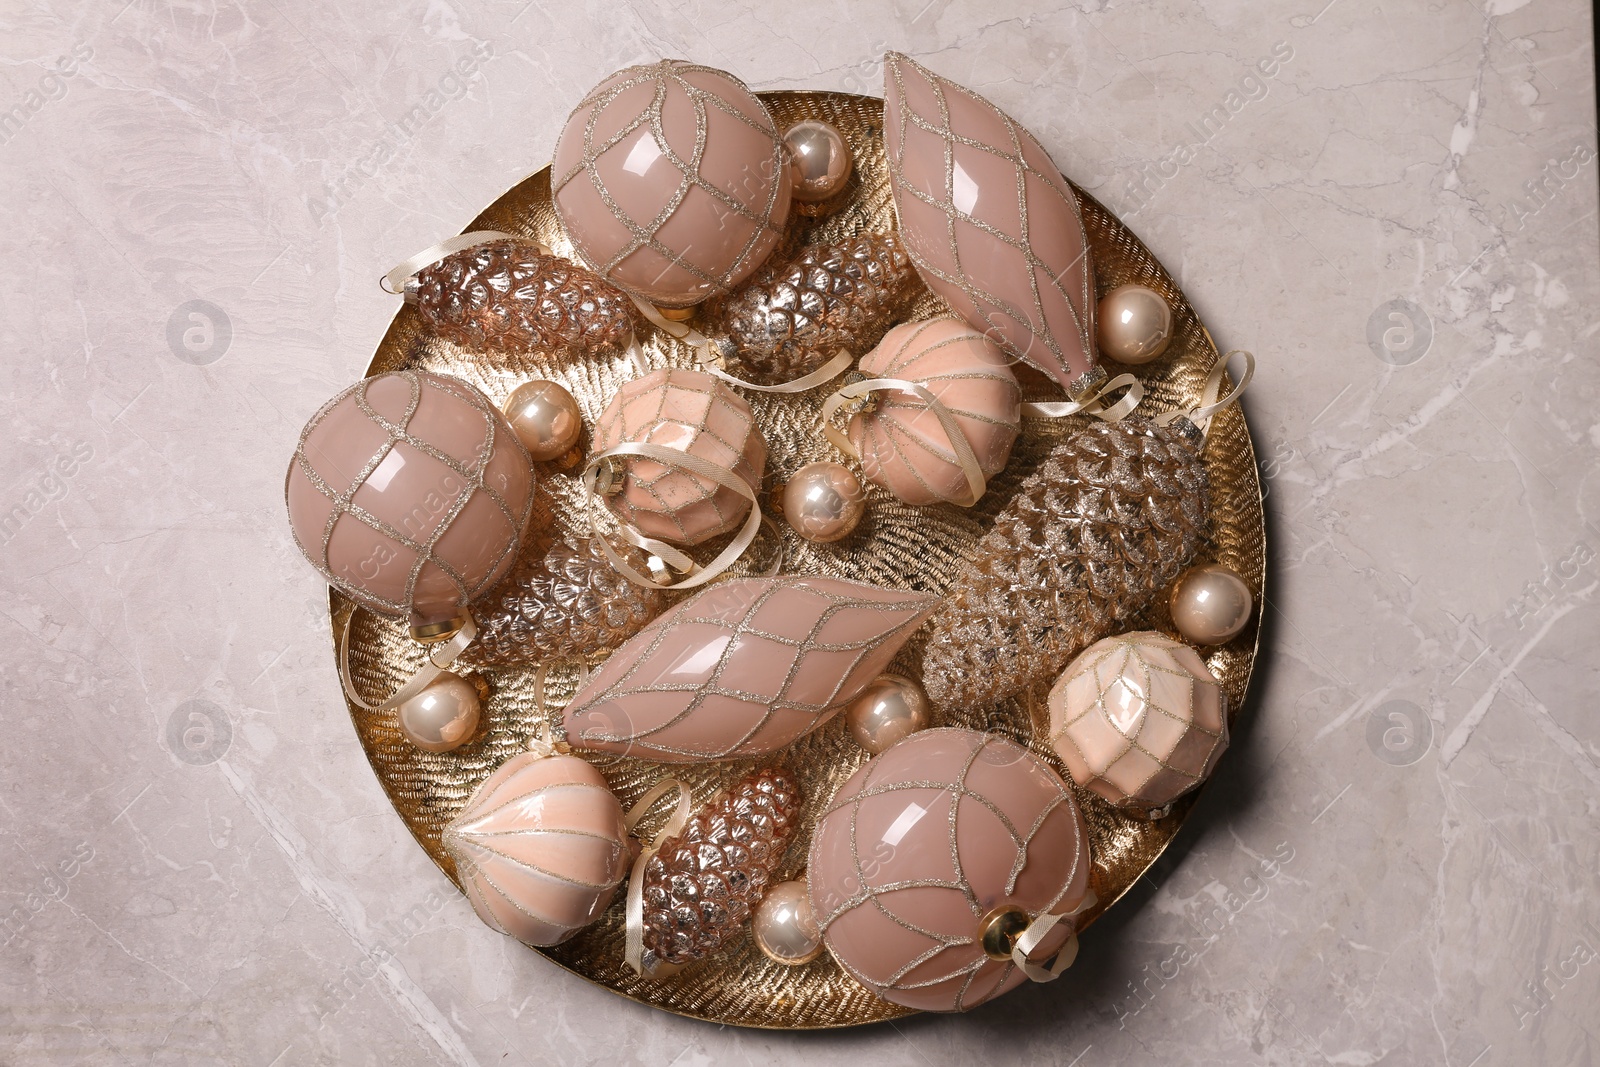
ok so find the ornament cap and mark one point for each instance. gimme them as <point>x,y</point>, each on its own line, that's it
<point>432,633</point>
<point>999,931</point>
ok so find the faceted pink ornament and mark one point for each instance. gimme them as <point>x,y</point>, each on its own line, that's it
<point>1139,719</point>
<point>989,221</point>
<point>688,411</point>
<point>410,493</point>
<point>922,843</point>
<point>743,668</point>
<point>672,181</point>
<point>540,848</point>
<point>903,446</point>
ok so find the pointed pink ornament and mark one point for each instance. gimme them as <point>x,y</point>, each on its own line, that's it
<point>743,669</point>
<point>990,222</point>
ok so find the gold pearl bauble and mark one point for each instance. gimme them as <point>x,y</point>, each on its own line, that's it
<point>819,160</point>
<point>889,709</point>
<point>545,418</point>
<point>444,716</point>
<point>824,501</point>
<point>784,927</point>
<point>1134,324</point>
<point>1210,604</point>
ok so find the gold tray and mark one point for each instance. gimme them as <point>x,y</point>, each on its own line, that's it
<point>894,544</point>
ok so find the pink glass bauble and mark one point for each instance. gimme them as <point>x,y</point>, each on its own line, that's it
<point>540,848</point>
<point>922,843</point>
<point>743,668</point>
<point>672,181</point>
<point>990,222</point>
<point>688,411</point>
<point>903,445</point>
<point>1138,719</point>
<point>410,493</point>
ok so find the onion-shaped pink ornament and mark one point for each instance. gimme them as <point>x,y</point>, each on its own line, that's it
<point>903,445</point>
<point>743,668</point>
<point>540,848</point>
<point>990,222</point>
<point>411,494</point>
<point>672,181</point>
<point>925,847</point>
<point>691,412</point>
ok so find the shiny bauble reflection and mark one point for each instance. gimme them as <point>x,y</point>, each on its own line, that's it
<point>784,927</point>
<point>824,502</point>
<point>545,419</point>
<point>1210,604</point>
<point>1134,324</point>
<point>819,160</point>
<point>444,716</point>
<point>889,709</point>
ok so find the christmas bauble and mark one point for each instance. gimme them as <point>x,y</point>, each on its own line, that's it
<point>540,847</point>
<point>691,412</point>
<point>903,445</point>
<point>1138,719</point>
<point>990,222</point>
<point>672,181</point>
<point>923,844</point>
<point>444,716</point>
<point>819,159</point>
<point>888,710</point>
<point>783,926</point>
<point>545,418</point>
<point>1134,324</point>
<point>742,668</point>
<point>410,493</point>
<point>1210,604</point>
<point>823,502</point>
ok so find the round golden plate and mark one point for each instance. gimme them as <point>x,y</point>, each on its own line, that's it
<point>896,545</point>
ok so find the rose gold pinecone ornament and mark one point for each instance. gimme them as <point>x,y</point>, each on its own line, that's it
<point>795,314</point>
<point>1108,521</point>
<point>701,886</point>
<point>569,604</point>
<point>509,296</point>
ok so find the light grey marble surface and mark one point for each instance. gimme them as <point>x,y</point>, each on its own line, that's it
<point>1399,861</point>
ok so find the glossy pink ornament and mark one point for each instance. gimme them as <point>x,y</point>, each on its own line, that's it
<point>1139,719</point>
<point>743,668</point>
<point>540,848</point>
<point>410,493</point>
<point>687,411</point>
<point>672,181</point>
<point>990,222</point>
<point>927,840</point>
<point>902,444</point>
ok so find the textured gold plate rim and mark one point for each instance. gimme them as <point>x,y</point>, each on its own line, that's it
<point>373,653</point>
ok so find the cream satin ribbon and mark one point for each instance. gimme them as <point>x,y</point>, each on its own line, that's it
<point>966,459</point>
<point>1093,404</point>
<point>440,657</point>
<point>1210,403</point>
<point>394,282</point>
<point>672,557</point>
<point>1034,936</point>
<point>633,950</point>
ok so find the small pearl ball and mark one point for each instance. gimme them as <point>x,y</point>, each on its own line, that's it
<point>824,502</point>
<point>784,927</point>
<point>889,709</point>
<point>443,716</point>
<point>819,160</point>
<point>1134,324</point>
<point>1210,604</point>
<point>545,418</point>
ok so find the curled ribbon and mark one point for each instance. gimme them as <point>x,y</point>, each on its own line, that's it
<point>633,950</point>
<point>1094,403</point>
<point>1210,402</point>
<point>439,659</point>
<point>965,458</point>
<point>394,282</point>
<point>1034,936</point>
<point>710,362</point>
<point>671,557</point>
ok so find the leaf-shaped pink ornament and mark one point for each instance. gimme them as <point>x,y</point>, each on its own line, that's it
<point>989,221</point>
<point>743,668</point>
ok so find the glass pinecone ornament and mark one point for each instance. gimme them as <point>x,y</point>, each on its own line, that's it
<point>701,886</point>
<point>508,296</point>
<point>1091,537</point>
<point>571,603</point>
<point>796,313</point>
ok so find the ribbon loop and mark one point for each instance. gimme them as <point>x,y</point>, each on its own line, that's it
<point>394,282</point>
<point>965,458</point>
<point>1094,403</point>
<point>439,660</point>
<point>1034,936</point>
<point>1210,401</point>
<point>633,949</point>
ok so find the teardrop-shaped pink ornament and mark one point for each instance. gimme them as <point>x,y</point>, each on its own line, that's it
<point>989,221</point>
